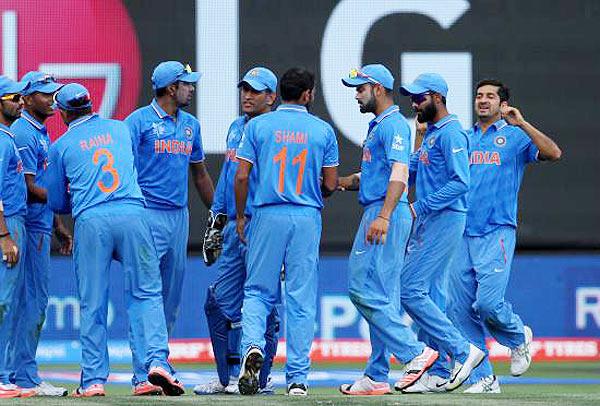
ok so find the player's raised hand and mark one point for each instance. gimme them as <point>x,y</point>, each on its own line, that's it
<point>512,115</point>
<point>378,230</point>
<point>10,252</point>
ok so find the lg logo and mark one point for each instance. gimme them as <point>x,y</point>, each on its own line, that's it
<point>341,50</point>
<point>92,43</point>
<point>97,44</point>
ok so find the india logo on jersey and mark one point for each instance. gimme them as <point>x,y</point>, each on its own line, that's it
<point>500,141</point>
<point>431,142</point>
<point>188,133</point>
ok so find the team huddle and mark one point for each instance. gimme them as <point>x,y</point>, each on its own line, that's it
<point>444,257</point>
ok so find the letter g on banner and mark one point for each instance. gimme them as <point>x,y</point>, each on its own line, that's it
<point>342,50</point>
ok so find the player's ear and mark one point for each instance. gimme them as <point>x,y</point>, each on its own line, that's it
<point>504,103</point>
<point>172,89</point>
<point>271,97</point>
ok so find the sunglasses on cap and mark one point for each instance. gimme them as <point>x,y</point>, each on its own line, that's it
<point>78,103</point>
<point>419,98</point>
<point>13,97</point>
<point>45,80</point>
<point>356,73</point>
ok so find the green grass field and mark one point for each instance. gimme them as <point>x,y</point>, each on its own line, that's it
<point>512,394</point>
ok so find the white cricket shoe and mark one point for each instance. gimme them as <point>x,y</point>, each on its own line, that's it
<point>428,384</point>
<point>297,389</point>
<point>487,384</point>
<point>461,371</point>
<point>365,386</point>
<point>215,387</point>
<point>520,357</point>
<point>250,371</point>
<point>47,389</point>
<point>416,367</point>
<point>269,388</point>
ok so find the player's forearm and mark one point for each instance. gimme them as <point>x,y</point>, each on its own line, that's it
<point>35,194</point>
<point>206,190</point>
<point>549,150</point>
<point>3,227</point>
<point>241,194</point>
<point>394,192</point>
<point>442,198</point>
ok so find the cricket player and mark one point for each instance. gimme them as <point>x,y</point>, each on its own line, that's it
<point>223,307</point>
<point>91,174</point>
<point>380,243</point>
<point>291,150</point>
<point>167,144</point>
<point>441,170</point>
<point>32,139</point>
<point>502,143</point>
<point>13,207</point>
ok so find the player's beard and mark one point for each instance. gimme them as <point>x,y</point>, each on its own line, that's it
<point>370,105</point>
<point>427,114</point>
<point>11,115</point>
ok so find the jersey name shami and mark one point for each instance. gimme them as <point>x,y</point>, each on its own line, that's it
<point>290,137</point>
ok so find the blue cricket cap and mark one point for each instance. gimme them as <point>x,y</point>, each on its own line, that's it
<point>9,86</point>
<point>373,74</point>
<point>260,79</point>
<point>169,72</point>
<point>426,82</point>
<point>73,97</point>
<point>40,82</point>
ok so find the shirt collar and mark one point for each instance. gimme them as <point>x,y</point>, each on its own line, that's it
<point>390,110</point>
<point>498,125</point>
<point>6,129</point>
<point>29,118</point>
<point>448,119</point>
<point>158,110</point>
<point>82,120</point>
<point>292,107</point>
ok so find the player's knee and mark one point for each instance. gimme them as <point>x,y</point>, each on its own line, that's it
<point>488,310</point>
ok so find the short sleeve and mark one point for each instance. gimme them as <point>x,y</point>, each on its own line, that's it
<point>396,142</point>
<point>247,149</point>
<point>197,149</point>
<point>331,157</point>
<point>28,145</point>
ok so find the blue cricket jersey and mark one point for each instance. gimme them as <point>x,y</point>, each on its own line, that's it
<point>388,141</point>
<point>289,148</point>
<point>224,200</point>
<point>164,146</point>
<point>498,159</point>
<point>13,191</point>
<point>92,164</point>
<point>33,142</point>
<point>442,168</point>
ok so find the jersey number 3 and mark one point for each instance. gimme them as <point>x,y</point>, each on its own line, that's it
<point>298,159</point>
<point>107,167</point>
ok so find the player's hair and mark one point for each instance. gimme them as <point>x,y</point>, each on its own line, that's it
<point>295,81</point>
<point>160,92</point>
<point>503,91</point>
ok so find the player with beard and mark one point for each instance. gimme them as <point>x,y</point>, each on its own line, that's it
<point>378,251</point>
<point>502,143</point>
<point>223,307</point>
<point>440,169</point>
<point>33,141</point>
<point>167,144</point>
<point>13,236</point>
